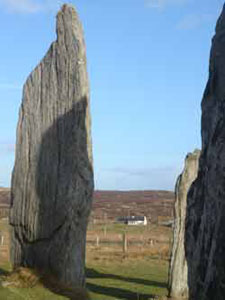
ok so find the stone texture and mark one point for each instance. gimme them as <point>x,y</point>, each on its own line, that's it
<point>205,224</point>
<point>178,286</point>
<point>52,181</point>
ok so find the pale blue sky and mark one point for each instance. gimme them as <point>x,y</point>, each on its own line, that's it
<point>148,66</point>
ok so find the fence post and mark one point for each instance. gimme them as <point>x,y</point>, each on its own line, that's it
<point>1,239</point>
<point>105,230</point>
<point>97,241</point>
<point>124,242</point>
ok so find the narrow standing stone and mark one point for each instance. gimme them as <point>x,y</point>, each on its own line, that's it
<point>178,285</point>
<point>205,226</point>
<point>52,181</point>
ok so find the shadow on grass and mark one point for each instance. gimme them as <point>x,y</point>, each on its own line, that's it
<point>118,293</point>
<point>67,291</point>
<point>4,272</point>
<point>92,273</point>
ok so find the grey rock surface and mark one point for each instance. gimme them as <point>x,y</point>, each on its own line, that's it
<point>178,285</point>
<point>205,223</point>
<point>52,181</point>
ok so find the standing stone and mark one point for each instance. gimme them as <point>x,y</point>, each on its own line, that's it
<point>178,286</point>
<point>52,181</point>
<point>205,224</point>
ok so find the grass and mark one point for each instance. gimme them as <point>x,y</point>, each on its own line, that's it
<point>35,293</point>
<point>130,279</point>
<point>119,228</point>
<point>4,225</point>
<point>111,275</point>
<point>12,292</point>
<point>107,280</point>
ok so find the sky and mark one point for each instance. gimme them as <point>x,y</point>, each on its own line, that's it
<point>148,67</point>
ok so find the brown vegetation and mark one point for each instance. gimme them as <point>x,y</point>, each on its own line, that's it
<point>28,278</point>
<point>108,205</point>
<point>4,196</point>
<point>111,204</point>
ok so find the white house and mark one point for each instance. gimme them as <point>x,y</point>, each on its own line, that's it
<point>133,220</point>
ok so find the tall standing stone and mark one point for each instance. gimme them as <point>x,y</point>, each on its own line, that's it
<point>205,226</point>
<point>178,285</point>
<point>52,181</point>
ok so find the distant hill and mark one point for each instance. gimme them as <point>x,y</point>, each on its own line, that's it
<point>112,204</point>
<point>153,204</point>
<point>4,196</point>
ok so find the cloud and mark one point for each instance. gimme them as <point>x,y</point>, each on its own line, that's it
<point>10,148</point>
<point>142,171</point>
<point>5,175</point>
<point>20,6</point>
<point>7,148</point>
<point>193,21</point>
<point>30,6</point>
<point>125,178</point>
<point>161,4</point>
<point>52,5</point>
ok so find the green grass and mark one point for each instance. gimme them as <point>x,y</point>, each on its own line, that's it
<point>4,225</point>
<point>36,293</point>
<point>137,280</point>
<point>107,280</point>
<point>109,276</point>
<point>119,228</point>
<point>13,293</point>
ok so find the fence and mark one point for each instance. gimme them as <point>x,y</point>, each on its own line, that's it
<point>129,244</point>
<point>4,211</point>
<point>4,244</point>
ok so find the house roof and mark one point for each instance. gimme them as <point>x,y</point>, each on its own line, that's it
<point>131,218</point>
